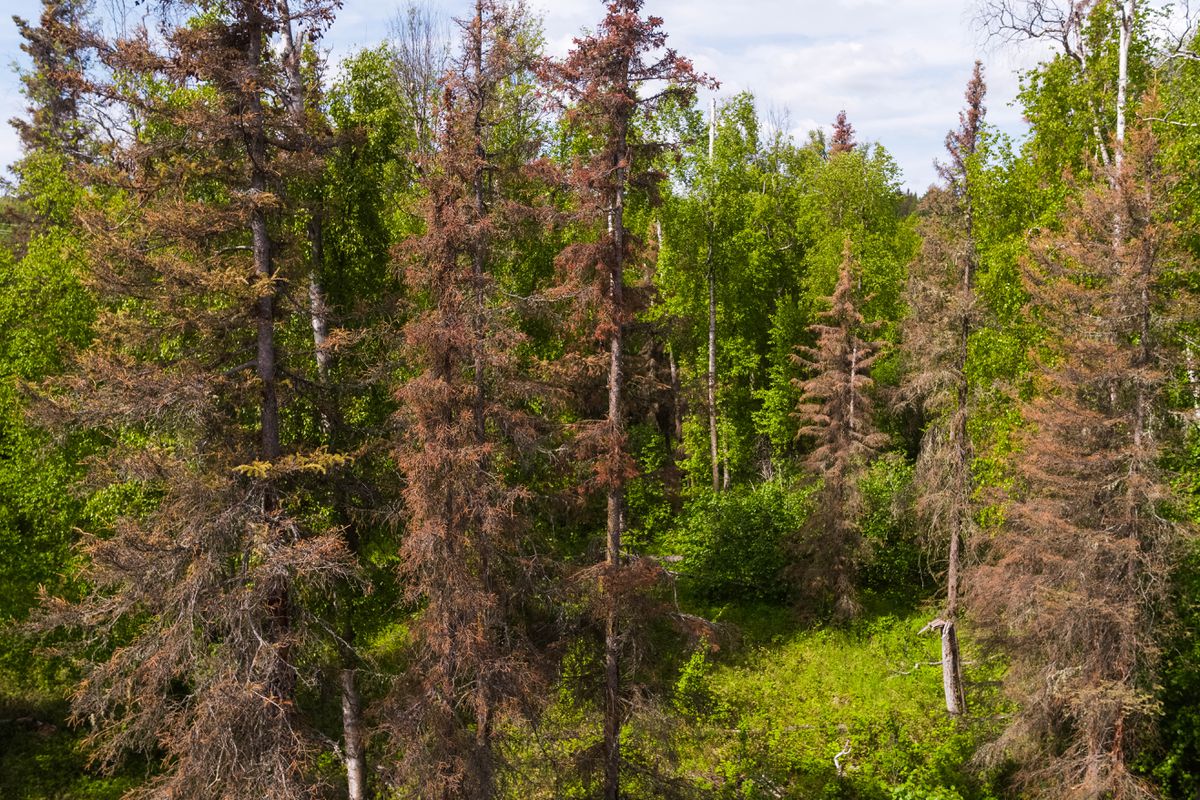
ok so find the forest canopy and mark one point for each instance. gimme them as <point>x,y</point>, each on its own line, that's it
<point>466,421</point>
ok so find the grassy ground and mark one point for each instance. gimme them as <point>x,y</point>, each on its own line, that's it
<point>770,716</point>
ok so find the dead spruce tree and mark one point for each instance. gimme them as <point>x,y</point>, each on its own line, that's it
<point>835,412</point>
<point>462,425</point>
<point>1075,581</point>
<point>943,313</point>
<point>612,80</point>
<point>842,140</point>
<point>199,589</point>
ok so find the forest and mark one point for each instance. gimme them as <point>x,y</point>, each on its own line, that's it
<point>462,421</point>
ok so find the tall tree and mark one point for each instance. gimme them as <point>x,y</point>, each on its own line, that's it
<point>835,411</point>
<point>188,246</point>
<point>1076,576</point>
<point>312,132</point>
<point>842,140</point>
<point>937,335</point>
<point>461,419</point>
<point>55,118</point>
<point>613,80</point>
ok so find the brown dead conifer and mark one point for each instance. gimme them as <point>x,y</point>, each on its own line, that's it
<point>199,588</point>
<point>462,427</point>
<point>943,314</point>
<point>1076,577</point>
<point>610,81</point>
<point>842,140</point>
<point>835,412</point>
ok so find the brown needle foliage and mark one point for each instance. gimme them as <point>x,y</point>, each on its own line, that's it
<point>1075,582</point>
<point>611,80</point>
<point>196,625</point>
<point>463,428</point>
<point>943,313</point>
<point>842,140</point>
<point>835,411</point>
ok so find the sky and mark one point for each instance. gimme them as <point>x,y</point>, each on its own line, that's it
<point>897,67</point>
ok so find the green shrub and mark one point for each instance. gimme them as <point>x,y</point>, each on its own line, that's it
<point>734,545</point>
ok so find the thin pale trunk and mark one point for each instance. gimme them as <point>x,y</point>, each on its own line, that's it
<point>352,723</point>
<point>713,444</point>
<point>711,275</point>
<point>616,489</point>
<point>318,310</point>
<point>1126,32</point>
<point>952,682</point>
<point>677,397</point>
<point>352,732</point>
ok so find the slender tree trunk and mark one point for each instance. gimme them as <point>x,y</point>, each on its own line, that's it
<point>318,310</point>
<point>713,444</point>
<point>1126,32</point>
<point>352,724</point>
<point>479,256</point>
<point>677,397</point>
<point>952,681</point>
<point>616,490</point>
<point>714,448</point>
<point>483,724</point>
<point>352,733</point>
<point>282,680</point>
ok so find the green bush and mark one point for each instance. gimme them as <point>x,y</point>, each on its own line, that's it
<point>734,545</point>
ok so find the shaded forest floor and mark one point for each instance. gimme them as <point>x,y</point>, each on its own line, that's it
<point>762,713</point>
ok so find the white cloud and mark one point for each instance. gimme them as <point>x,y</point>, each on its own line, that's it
<point>898,67</point>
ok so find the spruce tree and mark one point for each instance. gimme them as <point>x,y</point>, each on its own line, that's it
<point>836,413</point>
<point>462,424</point>
<point>612,81</point>
<point>1076,577</point>
<point>200,589</point>
<point>943,314</point>
<point>842,140</point>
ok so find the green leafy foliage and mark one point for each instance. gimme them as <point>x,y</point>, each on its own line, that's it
<point>735,545</point>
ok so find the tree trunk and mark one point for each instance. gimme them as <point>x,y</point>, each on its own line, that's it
<point>352,733</point>
<point>352,724</point>
<point>281,682</point>
<point>714,451</point>
<point>952,682</point>
<point>317,307</point>
<point>1126,31</point>
<point>714,447</point>
<point>677,397</point>
<point>616,490</point>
